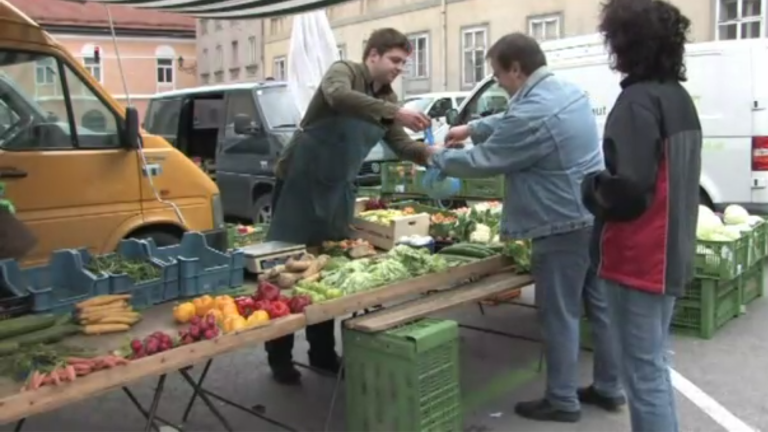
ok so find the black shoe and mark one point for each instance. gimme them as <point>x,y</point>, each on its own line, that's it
<point>330,364</point>
<point>590,396</point>
<point>542,410</point>
<point>286,374</point>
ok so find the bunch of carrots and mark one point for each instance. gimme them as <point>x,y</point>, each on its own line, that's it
<point>106,314</point>
<point>74,367</point>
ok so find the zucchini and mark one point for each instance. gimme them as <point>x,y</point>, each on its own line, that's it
<point>468,250</point>
<point>46,336</point>
<point>7,348</point>
<point>25,324</point>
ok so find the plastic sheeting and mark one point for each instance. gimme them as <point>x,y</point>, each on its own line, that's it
<point>312,51</point>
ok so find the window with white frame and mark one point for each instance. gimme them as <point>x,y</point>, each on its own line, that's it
<point>235,54</point>
<point>544,27</point>
<point>92,60</point>
<point>341,50</point>
<point>165,55</point>
<point>219,58</point>
<point>741,19</point>
<point>474,42</point>
<point>252,54</point>
<point>278,69</point>
<point>418,62</point>
<point>45,72</point>
<point>205,60</point>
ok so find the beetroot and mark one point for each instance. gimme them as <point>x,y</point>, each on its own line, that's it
<point>195,320</point>
<point>152,346</point>
<point>195,332</point>
<point>210,321</point>
<point>267,291</point>
<point>136,346</point>
<point>209,334</point>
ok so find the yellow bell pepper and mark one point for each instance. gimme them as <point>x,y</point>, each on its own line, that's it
<point>184,312</point>
<point>258,318</point>
<point>234,323</point>
<point>222,301</point>
<point>230,309</point>
<point>203,305</point>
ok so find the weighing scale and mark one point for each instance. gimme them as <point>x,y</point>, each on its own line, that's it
<point>261,257</point>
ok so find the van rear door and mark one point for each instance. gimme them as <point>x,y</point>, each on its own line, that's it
<point>759,57</point>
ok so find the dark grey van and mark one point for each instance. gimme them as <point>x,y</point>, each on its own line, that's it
<point>236,132</point>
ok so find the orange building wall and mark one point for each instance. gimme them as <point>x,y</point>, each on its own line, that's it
<point>139,61</point>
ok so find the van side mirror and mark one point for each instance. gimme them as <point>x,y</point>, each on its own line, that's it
<point>244,125</point>
<point>452,117</point>
<point>131,127</point>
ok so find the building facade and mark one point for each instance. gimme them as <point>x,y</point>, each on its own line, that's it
<point>230,51</point>
<point>450,37</point>
<point>156,49</point>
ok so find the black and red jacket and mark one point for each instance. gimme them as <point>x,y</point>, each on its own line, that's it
<point>646,201</point>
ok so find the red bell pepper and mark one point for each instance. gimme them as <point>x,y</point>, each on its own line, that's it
<point>267,291</point>
<point>278,309</point>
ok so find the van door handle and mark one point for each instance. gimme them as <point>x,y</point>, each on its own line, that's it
<point>12,173</point>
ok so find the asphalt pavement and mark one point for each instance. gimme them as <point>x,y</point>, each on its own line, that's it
<point>722,388</point>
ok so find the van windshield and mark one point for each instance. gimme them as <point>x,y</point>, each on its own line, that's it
<point>419,104</point>
<point>277,105</point>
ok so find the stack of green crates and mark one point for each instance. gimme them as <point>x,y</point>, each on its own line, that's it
<point>728,276</point>
<point>405,379</point>
<point>406,178</point>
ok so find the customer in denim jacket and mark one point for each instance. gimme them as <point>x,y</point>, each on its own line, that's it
<point>544,145</point>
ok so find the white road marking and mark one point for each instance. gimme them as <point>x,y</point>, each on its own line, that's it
<point>711,407</point>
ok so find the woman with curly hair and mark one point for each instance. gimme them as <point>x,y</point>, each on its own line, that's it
<point>646,200</point>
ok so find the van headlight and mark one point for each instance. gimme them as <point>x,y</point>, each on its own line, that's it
<point>218,211</point>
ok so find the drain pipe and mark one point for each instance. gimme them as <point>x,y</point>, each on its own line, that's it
<point>444,13</point>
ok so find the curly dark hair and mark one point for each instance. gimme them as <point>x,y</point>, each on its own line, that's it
<point>646,38</point>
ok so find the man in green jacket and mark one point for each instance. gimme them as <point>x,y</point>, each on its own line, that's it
<point>353,109</point>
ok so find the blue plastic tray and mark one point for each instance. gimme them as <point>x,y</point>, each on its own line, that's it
<point>58,285</point>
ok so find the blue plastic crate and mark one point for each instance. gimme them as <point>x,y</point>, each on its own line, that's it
<point>142,250</point>
<point>57,286</point>
<point>202,269</point>
<point>237,268</point>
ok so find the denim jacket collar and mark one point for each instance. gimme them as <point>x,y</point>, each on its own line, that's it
<point>536,77</point>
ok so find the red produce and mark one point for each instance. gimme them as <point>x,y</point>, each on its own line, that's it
<point>195,320</point>
<point>245,306</point>
<point>136,346</point>
<point>210,334</point>
<point>278,309</point>
<point>283,299</point>
<point>210,321</point>
<point>267,291</point>
<point>152,346</point>
<point>195,332</point>
<point>260,305</point>
<point>298,303</point>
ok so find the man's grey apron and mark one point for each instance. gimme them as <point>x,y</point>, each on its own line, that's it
<point>317,200</point>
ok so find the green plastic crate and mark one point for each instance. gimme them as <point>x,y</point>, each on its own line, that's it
<point>488,188</point>
<point>758,243</point>
<point>753,283</point>
<point>405,379</point>
<point>398,177</point>
<point>722,260</point>
<point>707,305</point>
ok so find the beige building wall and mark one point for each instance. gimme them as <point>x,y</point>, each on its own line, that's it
<point>229,51</point>
<point>441,26</point>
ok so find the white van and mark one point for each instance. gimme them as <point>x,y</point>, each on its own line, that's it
<point>729,83</point>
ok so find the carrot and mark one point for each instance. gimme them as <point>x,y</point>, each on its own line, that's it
<point>55,377</point>
<point>79,360</point>
<point>82,369</point>
<point>110,362</point>
<point>103,300</point>
<point>70,371</point>
<point>36,380</point>
<point>121,361</point>
<point>97,329</point>
<point>47,380</point>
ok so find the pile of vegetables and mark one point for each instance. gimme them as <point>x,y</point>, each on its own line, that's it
<point>307,267</point>
<point>114,264</point>
<point>735,223</point>
<point>70,369</point>
<point>357,248</point>
<point>245,235</point>
<point>400,263</point>
<point>106,314</point>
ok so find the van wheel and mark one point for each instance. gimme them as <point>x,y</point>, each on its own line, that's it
<point>261,212</point>
<point>161,238</point>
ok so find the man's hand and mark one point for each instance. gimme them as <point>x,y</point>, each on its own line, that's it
<point>413,120</point>
<point>456,136</point>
